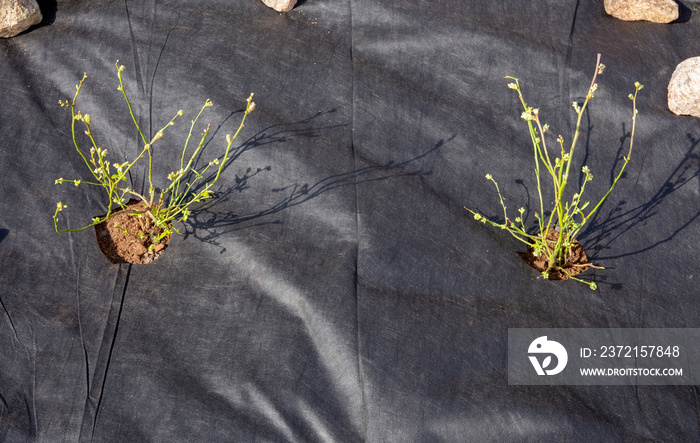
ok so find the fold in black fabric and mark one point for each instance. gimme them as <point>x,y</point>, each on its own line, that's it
<point>336,289</point>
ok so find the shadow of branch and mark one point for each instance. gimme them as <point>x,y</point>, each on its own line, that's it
<point>619,221</point>
<point>206,224</point>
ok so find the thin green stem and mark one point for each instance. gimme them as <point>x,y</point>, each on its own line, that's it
<point>207,103</point>
<point>566,216</point>
<point>629,152</point>
<point>160,213</point>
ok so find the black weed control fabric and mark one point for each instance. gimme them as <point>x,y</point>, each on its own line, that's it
<point>336,289</point>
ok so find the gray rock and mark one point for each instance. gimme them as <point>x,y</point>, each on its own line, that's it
<point>17,16</point>
<point>684,88</point>
<point>657,11</point>
<point>280,5</point>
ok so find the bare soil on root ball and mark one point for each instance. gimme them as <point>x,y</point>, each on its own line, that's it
<point>120,247</point>
<point>576,263</point>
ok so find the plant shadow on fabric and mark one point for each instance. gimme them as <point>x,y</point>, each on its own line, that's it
<point>207,224</point>
<point>618,221</point>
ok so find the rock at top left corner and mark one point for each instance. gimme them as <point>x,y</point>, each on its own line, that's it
<point>17,16</point>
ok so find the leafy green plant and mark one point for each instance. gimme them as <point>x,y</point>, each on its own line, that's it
<point>569,214</point>
<point>163,207</point>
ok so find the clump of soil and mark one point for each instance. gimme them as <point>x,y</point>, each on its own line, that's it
<point>120,247</point>
<point>576,263</point>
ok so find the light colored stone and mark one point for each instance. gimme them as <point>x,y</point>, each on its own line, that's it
<point>684,88</point>
<point>657,11</point>
<point>17,16</point>
<point>280,5</point>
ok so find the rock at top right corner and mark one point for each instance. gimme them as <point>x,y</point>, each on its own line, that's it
<point>657,11</point>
